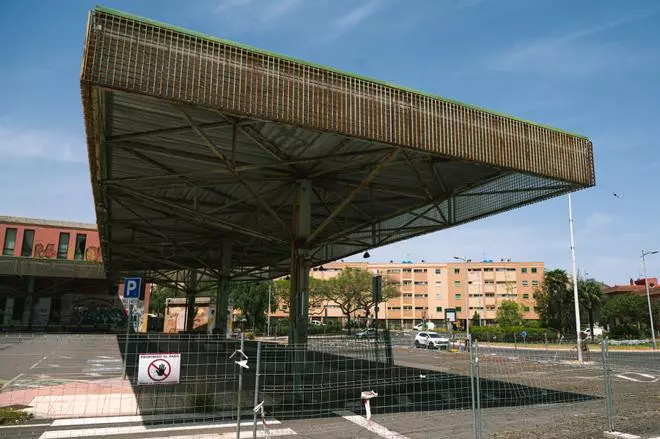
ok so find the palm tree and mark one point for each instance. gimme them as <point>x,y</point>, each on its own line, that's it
<point>554,301</point>
<point>590,295</point>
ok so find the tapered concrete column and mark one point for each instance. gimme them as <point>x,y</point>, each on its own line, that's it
<point>299,293</point>
<point>222,293</point>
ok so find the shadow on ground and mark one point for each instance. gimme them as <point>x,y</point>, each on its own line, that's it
<point>331,373</point>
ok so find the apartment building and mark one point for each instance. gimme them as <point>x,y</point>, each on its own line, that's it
<point>429,290</point>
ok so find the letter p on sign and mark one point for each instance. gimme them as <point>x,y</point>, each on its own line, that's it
<point>132,287</point>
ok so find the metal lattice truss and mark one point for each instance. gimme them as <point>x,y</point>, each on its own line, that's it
<point>195,141</point>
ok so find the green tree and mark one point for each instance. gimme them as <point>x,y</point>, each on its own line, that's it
<point>627,314</point>
<point>475,319</point>
<point>509,314</point>
<point>590,296</point>
<point>554,301</point>
<point>252,299</point>
<point>365,299</point>
<point>282,295</point>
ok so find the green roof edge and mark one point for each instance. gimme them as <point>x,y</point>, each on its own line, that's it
<point>320,66</point>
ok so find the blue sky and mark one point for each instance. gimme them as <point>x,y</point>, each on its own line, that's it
<point>591,67</point>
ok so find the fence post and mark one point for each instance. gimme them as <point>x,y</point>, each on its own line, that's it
<point>478,388</point>
<point>468,345</point>
<point>256,390</point>
<point>240,390</point>
<point>604,349</point>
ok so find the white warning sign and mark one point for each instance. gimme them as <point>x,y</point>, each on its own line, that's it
<point>159,369</point>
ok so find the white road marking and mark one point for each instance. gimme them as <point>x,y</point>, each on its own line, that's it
<point>11,381</point>
<point>648,377</point>
<point>37,363</point>
<point>141,429</point>
<point>619,435</point>
<point>371,426</point>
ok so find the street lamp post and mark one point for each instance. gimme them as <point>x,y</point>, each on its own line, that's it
<point>467,296</point>
<point>648,295</point>
<point>575,282</point>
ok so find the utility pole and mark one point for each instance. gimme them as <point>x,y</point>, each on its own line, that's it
<point>648,295</point>
<point>575,282</point>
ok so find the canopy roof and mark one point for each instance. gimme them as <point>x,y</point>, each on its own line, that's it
<point>194,141</point>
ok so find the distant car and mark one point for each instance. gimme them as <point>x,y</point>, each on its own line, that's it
<point>598,332</point>
<point>431,340</point>
<point>366,333</point>
<point>430,326</point>
<point>316,323</point>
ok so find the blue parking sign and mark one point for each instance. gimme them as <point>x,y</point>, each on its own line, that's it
<point>132,287</point>
<point>524,334</point>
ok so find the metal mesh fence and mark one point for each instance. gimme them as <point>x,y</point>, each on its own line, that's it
<point>85,386</point>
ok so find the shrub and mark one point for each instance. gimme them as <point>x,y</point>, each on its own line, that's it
<point>511,333</point>
<point>9,416</point>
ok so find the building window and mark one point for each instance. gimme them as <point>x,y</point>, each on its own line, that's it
<point>488,270</point>
<point>438,296</point>
<point>458,309</point>
<point>438,309</point>
<point>523,270</point>
<point>407,282</point>
<point>421,282</point>
<point>457,283</point>
<point>500,269</point>
<point>457,296</point>
<point>407,295</point>
<point>81,241</point>
<point>407,270</point>
<point>525,296</point>
<point>420,270</point>
<point>526,308</point>
<point>535,283</point>
<point>63,246</point>
<point>525,283</point>
<point>10,242</point>
<point>457,271</point>
<point>533,269</point>
<point>394,270</point>
<point>407,308</point>
<point>28,243</point>
<point>421,295</point>
<point>438,271</point>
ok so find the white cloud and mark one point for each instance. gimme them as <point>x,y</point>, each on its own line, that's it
<point>352,19</point>
<point>570,54</point>
<point>19,142</point>
<point>255,15</point>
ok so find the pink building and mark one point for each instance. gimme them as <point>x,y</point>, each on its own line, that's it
<point>51,274</point>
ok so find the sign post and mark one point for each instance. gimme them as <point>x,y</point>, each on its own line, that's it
<point>132,288</point>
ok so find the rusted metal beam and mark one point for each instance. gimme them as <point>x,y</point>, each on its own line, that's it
<point>198,216</point>
<point>374,172</point>
<point>216,151</point>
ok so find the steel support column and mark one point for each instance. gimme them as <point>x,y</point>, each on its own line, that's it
<point>222,294</point>
<point>299,296</point>
<point>191,294</point>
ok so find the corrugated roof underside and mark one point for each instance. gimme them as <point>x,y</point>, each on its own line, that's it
<point>140,57</point>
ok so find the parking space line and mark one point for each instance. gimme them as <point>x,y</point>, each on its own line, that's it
<point>371,426</point>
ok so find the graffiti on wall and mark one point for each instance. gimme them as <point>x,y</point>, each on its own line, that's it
<point>44,251</point>
<point>92,254</point>
<point>47,251</point>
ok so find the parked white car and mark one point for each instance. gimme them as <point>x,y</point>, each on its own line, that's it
<point>430,326</point>
<point>431,340</point>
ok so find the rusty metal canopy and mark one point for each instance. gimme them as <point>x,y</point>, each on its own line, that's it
<point>194,140</point>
